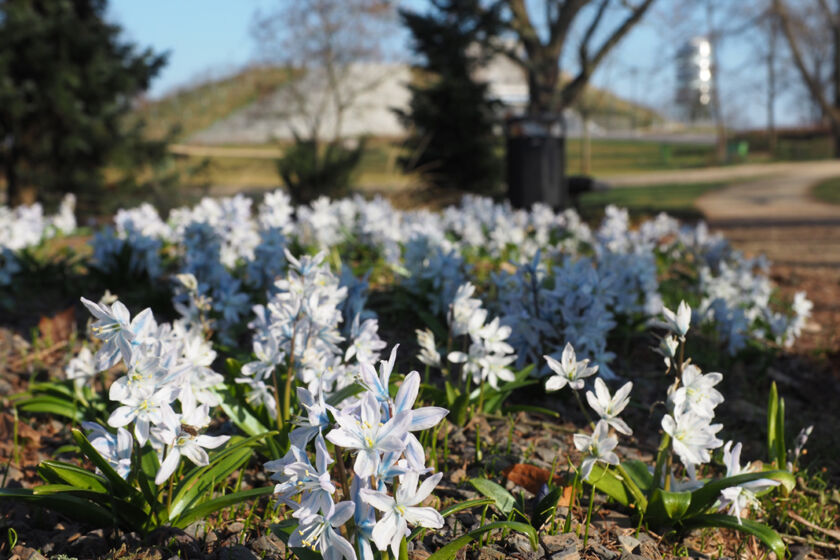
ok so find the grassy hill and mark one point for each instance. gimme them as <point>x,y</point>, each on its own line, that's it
<point>196,107</point>
<point>193,108</point>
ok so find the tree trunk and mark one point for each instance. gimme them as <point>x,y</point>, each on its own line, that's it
<point>542,87</point>
<point>771,87</point>
<point>835,79</point>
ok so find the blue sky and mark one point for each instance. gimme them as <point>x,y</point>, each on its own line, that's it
<point>207,38</point>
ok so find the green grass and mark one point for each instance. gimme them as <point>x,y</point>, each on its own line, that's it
<point>675,199</point>
<point>197,107</point>
<point>827,191</point>
<point>610,157</point>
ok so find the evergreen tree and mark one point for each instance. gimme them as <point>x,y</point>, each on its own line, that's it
<point>67,79</point>
<point>451,117</point>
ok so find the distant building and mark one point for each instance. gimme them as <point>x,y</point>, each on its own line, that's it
<point>694,80</point>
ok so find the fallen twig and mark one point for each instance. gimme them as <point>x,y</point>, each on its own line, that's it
<point>799,519</point>
<point>812,542</point>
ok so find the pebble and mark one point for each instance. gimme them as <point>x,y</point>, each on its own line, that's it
<point>269,544</point>
<point>236,552</point>
<point>630,544</point>
<point>564,546</point>
<point>236,527</point>
<point>491,553</point>
<point>602,552</point>
<point>197,530</point>
<point>522,545</point>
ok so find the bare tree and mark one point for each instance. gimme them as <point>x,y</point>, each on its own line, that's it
<point>541,58</point>
<point>327,47</point>
<point>812,33</point>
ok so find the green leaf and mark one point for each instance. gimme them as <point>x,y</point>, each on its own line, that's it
<point>241,414</point>
<point>703,498</point>
<point>530,408</point>
<point>546,507</point>
<point>46,404</point>
<point>610,484</point>
<point>74,507</point>
<point>772,425</point>
<point>449,551</point>
<point>666,508</point>
<point>459,409</point>
<point>204,509</point>
<point>345,392</point>
<point>73,475</point>
<point>118,485</point>
<point>765,534</point>
<point>781,449</point>
<point>201,480</point>
<point>503,499</point>
<point>469,504</point>
<point>640,474</point>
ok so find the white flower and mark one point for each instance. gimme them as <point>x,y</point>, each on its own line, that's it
<point>403,509</point>
<point>428,352</point>
<point>115,326</point>
<point>568,370</point>
<point>743,496</point>
<point>114,448</point>
<point>692,436</point>
<point>668,349</point>
<point>368,435</point>
<point>597,447</point>
<point>678,322</point>
<point>607,407</point>
<point>319,533</point>
<point>82,367</point>
<point>697,392</point>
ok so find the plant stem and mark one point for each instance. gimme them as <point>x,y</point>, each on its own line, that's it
<point>277,400</point>
<point>342,472</point>
<point>583,409</point>
<point>287,396</point>
<point>661,460</point>
<point>641,501</point>
<point>589,516</point>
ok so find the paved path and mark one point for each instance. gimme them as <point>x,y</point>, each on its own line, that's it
<point>760,193</point>
<point>767,209</point>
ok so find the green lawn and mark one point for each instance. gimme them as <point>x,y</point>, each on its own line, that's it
<point>675,199</point>
<point>827,191</point>
<point>611,157</point>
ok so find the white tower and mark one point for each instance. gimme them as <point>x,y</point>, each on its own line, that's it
<point>694,80</point>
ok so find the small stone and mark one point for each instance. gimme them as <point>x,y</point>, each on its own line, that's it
<point>522,545</point>
<point>603,552</point>
<point>630,544</point>
<point>565,546</point>
<point>629,556</point>
<point>800,552</point>
<point>490,553</point>
<point>649,548</point>
<point>26,553</point>
<point>211,537</point>
<point>236,527</point>
<point>236,552</point>
<point>418,555</point>
<point>458,475</point>
<point>197,530</point>
<point>269,544</point>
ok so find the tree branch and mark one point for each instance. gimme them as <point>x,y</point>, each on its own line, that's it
<point>573,89</point>
<point>811,81</point>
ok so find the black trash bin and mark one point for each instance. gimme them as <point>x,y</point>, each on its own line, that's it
<point>536,161</point>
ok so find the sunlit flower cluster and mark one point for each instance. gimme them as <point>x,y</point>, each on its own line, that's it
<point>380,490</point>
<point>25,226</point>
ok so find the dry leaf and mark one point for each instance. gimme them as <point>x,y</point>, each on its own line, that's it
<point>59,327</point>
<point>532,478</point>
